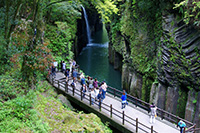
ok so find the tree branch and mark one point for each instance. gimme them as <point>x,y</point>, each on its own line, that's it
<point>56,3</point>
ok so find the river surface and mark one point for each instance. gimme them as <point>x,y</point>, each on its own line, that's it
<point>93,60</point>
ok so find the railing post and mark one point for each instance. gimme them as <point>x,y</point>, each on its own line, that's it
<point>136,101</point>
<point>111,110</point>
<point>100,104</point>
<point>123,118</point>
<point>114,92</point>
<point>66,87</point>
<point>58,84</point>
<point>73,89</point>
<point>136,125</point>
<point>151,129</point>
<point>162,115</point>
<point>194,127</point>
<point>90,100</point>
<point>81,95</point>
<point>184,130</point>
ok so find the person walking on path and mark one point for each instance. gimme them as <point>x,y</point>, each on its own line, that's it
<point>53,71</point>
<point>73,65</point>
<point>93,96</point>
<point>123,97</point>
<point>84,89</point>
<point>100,98</point>
<point>182,126</point>
<point>83,81</point>
<point>74,74</point>
<point>104,86</point>
<point>90,83</point>
<point>61,65</point>
<point>96,90</point>
<point>67,74</point>
<point>153,114</point>
<point>95,83</point>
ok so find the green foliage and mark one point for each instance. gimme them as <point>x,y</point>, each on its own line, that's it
<point>43,86</point>
<point>11,86</point>
<point>61,119</point>
<point>67,11</point>
<point>18,115</point>
<point>190,10</point>
<point>61,40</point>
<point>106,8</point>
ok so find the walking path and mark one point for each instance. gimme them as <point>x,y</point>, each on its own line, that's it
<point>131,112</point>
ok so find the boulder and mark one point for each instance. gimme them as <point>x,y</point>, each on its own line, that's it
<point>64,101</point>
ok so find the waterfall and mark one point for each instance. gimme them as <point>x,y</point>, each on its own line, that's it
<point>87,26</point>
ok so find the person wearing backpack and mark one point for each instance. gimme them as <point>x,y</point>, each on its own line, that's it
<point>153,114</point>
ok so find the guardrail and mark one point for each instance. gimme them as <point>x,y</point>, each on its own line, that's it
<point>103,106</point>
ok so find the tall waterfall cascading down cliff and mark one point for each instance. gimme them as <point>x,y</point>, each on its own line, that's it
<point>93,59</point>
<point>87,25</point>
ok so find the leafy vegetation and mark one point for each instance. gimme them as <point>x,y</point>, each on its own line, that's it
<point>33,34</point>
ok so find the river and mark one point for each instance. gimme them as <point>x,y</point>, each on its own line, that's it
<point>93,60</point>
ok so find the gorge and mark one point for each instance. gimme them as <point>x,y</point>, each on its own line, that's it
<point>162,69</point>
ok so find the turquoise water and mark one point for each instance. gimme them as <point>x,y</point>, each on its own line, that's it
<point>93,60</point>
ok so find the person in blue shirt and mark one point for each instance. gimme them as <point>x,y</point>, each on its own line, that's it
<point>181,125</point>
<point>74,74</point>
<point>67,74</point>
<point>100,97</point>
<point>83,81</point>
<point>123,98</point>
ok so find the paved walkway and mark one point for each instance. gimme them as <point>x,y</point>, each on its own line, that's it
<point>160,126</point>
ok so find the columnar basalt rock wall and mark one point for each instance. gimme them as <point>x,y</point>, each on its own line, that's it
<point>178,69</point>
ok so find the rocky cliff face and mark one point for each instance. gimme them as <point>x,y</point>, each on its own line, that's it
<point>178,70</point>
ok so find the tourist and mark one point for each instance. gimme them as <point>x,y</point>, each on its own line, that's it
<point>84,89</point>
<point>126,96</point>
<point>53,71</point>
<point>83,80</point>
<point>104,86</point>
<point>63,66</point>
<point>74,74</point>
<point>100,98</point>
<point>95,83</point>
<point>93,95</point>
<point>67,74</point>
<point>73,65</point>
<point>153,114</point>
<point>96,90</point>
<point>90,83</point>
<point>88,78</point>
<point>182,126</point>
<point>123,98</point>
